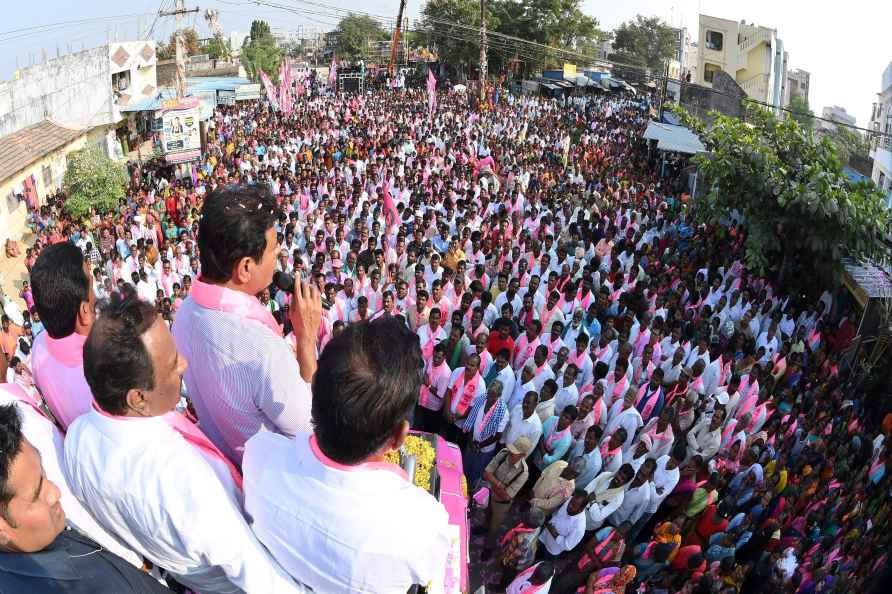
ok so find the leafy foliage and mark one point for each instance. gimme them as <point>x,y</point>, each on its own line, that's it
<point>789,190</point>
<point>167,51</point>
<point>92,181</point>
<point>644,41</point>
<point>219,49</point>
<point>260,52</point>
<point>354,32</point>
<point>800,112</point>
<point>445,22</point>
<point>559,23</point>
<point>852,148</point>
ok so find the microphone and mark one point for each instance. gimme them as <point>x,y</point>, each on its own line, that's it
<point>283,281</point>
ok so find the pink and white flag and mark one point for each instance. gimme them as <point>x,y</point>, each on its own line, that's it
<point>269,87</point>
<point>431,92</point>
<point>333,72</point>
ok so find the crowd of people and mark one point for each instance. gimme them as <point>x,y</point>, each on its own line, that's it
<point>637,411</point>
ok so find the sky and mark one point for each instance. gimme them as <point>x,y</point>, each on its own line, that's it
<point>845,45</point>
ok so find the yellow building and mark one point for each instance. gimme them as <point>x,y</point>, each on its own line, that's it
<point>754,56</point>
<point>32,163</point>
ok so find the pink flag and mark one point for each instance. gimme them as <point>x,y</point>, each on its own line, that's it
<point>333,72</point>
<point>431,92</point>
<point>268,86</point>
<point>283,86</point>
<point>391,215</point>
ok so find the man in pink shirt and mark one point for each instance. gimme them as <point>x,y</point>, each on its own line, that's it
<point>64,298</point>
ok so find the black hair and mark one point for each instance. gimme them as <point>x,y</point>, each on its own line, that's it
<point>10,447</point>
<point>59,286</point>
<point>233,225</point>
<point>115,357</point>
<point>366,384</point>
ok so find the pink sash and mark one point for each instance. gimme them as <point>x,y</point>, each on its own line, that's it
<point>519,529</point>
<point>193,435</point>
<point>524,585</point>
<point>576,358</point>
<point>650,400</point>
<point>619,388</point>
<point>326,461</point>
<point>467,394</point>
<point>226,300</point>
<point>555,437</point>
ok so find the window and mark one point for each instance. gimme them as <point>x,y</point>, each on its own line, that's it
<point>47,177</point>
<point>709,71</point>
<point>714,40</point>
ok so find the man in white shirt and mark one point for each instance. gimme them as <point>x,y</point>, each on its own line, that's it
<point>148,474</point>
<point>524,422</point>
<point>244,376</point>
<point>566,527</point>
<point>327,505</point>
<point>46,438</point>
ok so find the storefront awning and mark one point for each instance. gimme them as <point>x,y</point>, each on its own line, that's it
<point>673,138</point>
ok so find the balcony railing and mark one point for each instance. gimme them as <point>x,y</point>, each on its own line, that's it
<point>753,39</point>
<point>756,87</point>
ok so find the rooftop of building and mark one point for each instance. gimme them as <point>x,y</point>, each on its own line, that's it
<point>22,148</point>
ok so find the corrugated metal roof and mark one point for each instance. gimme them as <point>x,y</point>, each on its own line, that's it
<point>673,138</point>
<point>20,149</point>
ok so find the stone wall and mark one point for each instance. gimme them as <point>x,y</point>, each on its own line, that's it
<point>725,96</point>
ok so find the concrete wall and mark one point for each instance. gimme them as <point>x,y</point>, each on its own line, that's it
<point>699,100</point>
<point>76,91</point>
<point>14,212</point>
<point>72,90</point>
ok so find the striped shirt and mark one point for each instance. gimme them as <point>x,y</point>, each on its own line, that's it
<point>241,378</point>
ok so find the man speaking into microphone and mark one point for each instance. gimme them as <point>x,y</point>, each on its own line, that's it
<point>242,375</point>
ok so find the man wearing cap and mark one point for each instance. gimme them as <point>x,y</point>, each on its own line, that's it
<point>506,473</point>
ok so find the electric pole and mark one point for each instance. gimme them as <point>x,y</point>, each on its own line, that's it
<point>180,79</point>
<point>394,44</point>
<point>483,67</point>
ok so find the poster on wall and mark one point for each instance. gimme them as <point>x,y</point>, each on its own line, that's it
<point>180,135</point>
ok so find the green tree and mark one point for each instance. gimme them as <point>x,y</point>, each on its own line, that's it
<point>167,51</point>
<point>261,52</point>
<point>556,23</point>
<point>851,146</point>
<point>92,181</point>
<point>644,42</point>
<point>353,34</point>
<point>800,112</point>
<point>219,49</point>
<point>789,190</point>
<point>445,23</point>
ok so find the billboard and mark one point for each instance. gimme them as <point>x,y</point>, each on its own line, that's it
<point>180,136</point>
<point>247,92</point>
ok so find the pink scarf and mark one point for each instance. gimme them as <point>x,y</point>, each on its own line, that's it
<point>226,300</point>
<point>467,394</point>
<point>193,435</point>
<point>555,437</point>
<point>650,400</point>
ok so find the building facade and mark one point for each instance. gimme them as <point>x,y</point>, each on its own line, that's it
<point>837,114</point>
<point>881,144</point>
<point>62,105</point>
<point>753,56</point>
<point>84,90</point>
<point>798,85</point>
